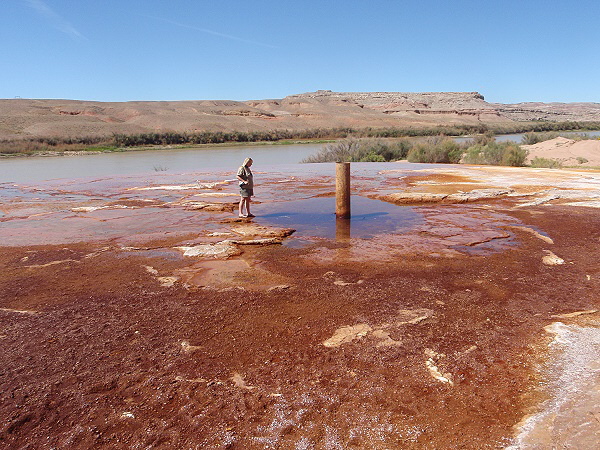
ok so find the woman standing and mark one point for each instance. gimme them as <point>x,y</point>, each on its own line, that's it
<point>244,175</point>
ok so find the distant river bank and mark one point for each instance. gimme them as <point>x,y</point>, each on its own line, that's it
<point>517,137</point>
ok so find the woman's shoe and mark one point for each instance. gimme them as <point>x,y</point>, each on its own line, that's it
<point>243,216</point>
<point>250,215</point>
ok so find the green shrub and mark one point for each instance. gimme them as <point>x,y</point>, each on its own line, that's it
<point>361,150</point>
<point>514,155</point>
<point>419,153</point>
<point>582,160</point>
<point>493,153</point>
<point>485,138</point>
<point>389,150</point>
<point>453,150</point>
<point>372,157</point>
<point>496,153</point>
<point>437,150</point>
<point>545,163</point>
<point>532,137</point>
<point>474,155</point>
<point>340,151</point>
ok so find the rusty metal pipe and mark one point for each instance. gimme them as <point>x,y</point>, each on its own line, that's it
<point>342,190</point>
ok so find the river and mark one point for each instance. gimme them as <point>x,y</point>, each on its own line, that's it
<point>42,168</point>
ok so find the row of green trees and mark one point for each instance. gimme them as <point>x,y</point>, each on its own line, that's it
<point>115,141</point>
<point>221,137</point>
<point>218,137</point>
<point>541,126</point>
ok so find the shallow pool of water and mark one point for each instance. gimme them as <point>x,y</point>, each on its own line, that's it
<point>315,217</point>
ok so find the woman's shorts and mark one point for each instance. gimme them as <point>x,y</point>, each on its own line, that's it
<point>246,192</point>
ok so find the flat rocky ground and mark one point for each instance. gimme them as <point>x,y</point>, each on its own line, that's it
<point>142,313</point>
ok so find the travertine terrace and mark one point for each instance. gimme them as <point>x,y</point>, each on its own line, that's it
<point>459,311</point>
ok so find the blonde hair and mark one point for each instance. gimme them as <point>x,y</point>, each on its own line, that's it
<point>246,161</point>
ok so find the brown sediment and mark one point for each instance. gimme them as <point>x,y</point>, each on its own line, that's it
<point>440,346</point>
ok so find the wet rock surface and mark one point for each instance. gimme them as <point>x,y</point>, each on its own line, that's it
<point>458,197</point>
<point>429,336</point>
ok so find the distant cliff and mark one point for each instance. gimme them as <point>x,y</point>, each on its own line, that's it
<point>321,109</point>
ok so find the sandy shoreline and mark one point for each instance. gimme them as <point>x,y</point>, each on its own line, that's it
<point>143,312</point>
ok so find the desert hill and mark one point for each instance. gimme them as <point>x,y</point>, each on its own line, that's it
<point>569,152</point>
<point>321,109</point>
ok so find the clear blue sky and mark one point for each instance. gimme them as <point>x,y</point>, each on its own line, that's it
<point>119,50</point>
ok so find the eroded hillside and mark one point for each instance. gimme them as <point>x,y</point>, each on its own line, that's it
<point>321,109</point>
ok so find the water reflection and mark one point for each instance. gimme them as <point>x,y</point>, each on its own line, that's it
<point>315,217</point>
<point>343,229</point>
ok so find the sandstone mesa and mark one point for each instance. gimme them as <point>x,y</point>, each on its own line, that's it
<point>320,109</point>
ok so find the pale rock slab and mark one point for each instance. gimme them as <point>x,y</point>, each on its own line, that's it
<point>550,259</point>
